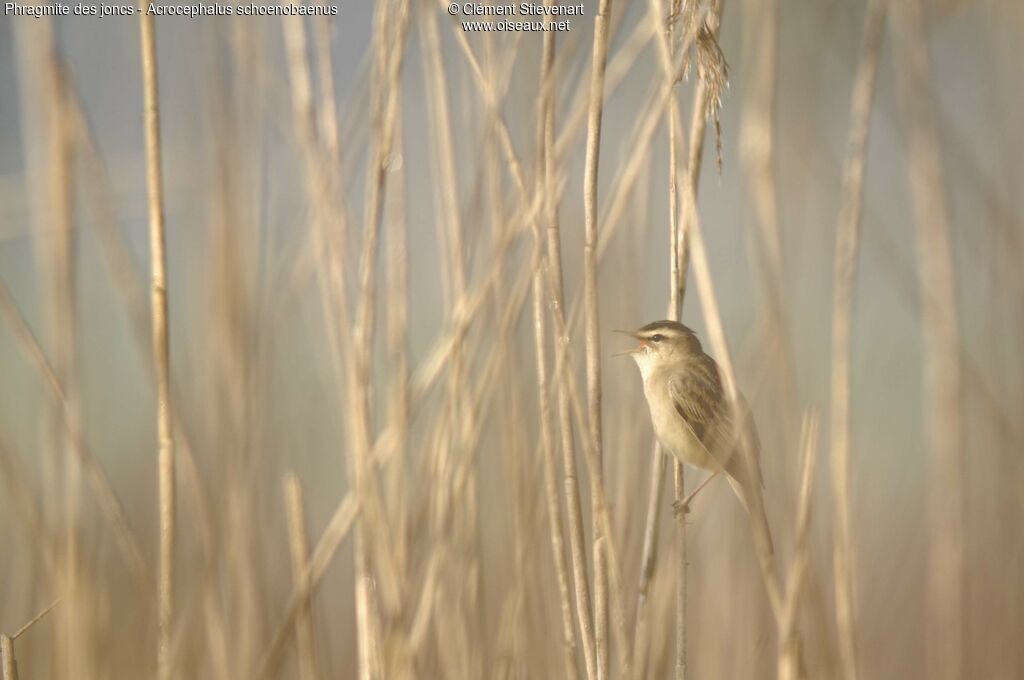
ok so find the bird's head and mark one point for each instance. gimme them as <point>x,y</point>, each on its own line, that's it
<point>662,343</point>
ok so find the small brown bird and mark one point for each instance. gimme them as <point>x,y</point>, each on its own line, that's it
<point>692,417</point>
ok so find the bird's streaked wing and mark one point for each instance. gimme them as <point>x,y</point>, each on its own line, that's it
<point>698,403</point>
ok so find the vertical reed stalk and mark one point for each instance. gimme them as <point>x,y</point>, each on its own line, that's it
<point>397,339</point>
<point>757,151</point>
<point>371,526</point>
<point>460,413</point>
<point>545,135</point>
<point>62,325</point>
<point>592,320</point>
<point>720,346</point>
<point>299,549</point>
<point>675,313</point>
<point>561,332</point>
<point>678,268</point>
<point>847,247</point>
<point>789,652</point>
<point>130,282</point>
<point>601,605</point>
<point>574,512</point>
<point>8,664</point>
<point>648,556</point>
<point>110,505</point>
<point>161,355</point>
<point>942,371</point>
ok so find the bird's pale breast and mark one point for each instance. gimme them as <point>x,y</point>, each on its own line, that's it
<point>672,431</point>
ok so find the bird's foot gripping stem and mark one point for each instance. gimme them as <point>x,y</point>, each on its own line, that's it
<point>681,507</point>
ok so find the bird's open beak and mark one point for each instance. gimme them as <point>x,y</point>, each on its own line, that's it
<point>628,351</point>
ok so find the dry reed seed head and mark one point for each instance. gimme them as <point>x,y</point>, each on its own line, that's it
<point>675,12</point>
<point>688,12</point>
<point>713,71</point>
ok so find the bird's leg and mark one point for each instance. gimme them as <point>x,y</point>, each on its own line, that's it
<point>683,507</point>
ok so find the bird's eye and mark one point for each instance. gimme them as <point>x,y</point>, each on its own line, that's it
<point>657,337</point>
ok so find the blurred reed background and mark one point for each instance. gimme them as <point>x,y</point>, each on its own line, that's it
<point>398,442</point>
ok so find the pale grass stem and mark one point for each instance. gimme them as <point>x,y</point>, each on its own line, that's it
<point>716,332</point>
<point>8,663</point>
<point>161,354</point>
<point>790,659</point>
<point>460,413</point>
<point>371,531</point>
<point>847,249</point>
<point>675,312</point>
<point>574,512</point>
<point>592,320</point>
<point>110,505</point>
<point>545,124</point>
<point>299,549</point>
<point>946,591</point>
<point>757,151</point>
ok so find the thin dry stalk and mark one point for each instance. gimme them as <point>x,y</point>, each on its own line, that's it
<point>678,268</point>
<point>660,101</point>
<point>35,619</point>
<point>351,361</point>
<point>46,89</point>
<point>397,340</point>
<point>464,533</point>
<point>601,605</point>
<point>680,541</point>
<point>942,370</point>
<point>847,247</point>
<point>110,505</point>
<point>648,556</point>
<point>619,67</point>
<point>392,29</point>
<point>130,284</point>
<point>547,443</point>
<point>299,548</point>
<point>675,313</point>
<point>789,665</point>
<point>370,526</point>
<point>716,332</point>
<point>758,153</point>
<point>574,512</point>
<point>42,112</point>
<point>325,74</point>
<point>550,478</point>
<point>698,128</point>
<point>757,132</point>
<point>592,320</point>
<point>658,462</point>
<point>61,273</point>
<point>599,497</point>
<point>161,354</point>
<point>712,315</point>
<point>8,664</point>
<point>340,524</point>
<point>26,509</point>
<point>129,280</point>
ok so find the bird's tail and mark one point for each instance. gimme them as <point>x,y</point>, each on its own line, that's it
<point>749,493</point>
